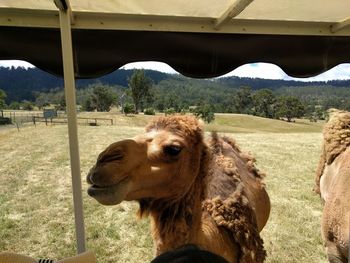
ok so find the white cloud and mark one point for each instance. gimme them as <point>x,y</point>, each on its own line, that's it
<point>255,70</point>
<point>341,71</point>
<point>258,70</point>
<point>271,71</point>
<point>150,65</point>
<point>15,63</point>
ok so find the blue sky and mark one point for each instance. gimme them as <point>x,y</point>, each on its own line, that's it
<point>255,70</point>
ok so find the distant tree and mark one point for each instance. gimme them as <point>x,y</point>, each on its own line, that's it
<point>128,108</point>
<point>121,99</point>
<point>101,99</point>
<point>310,112</point>
<point>150,99</point>
<point>27,105</point>
<point>332,102</point>
<point>14,105</point>
<point>62,102</point>
<point>172,100</point>
<point>205,112</point>
<point>289,107</point>
<point>346,105</point>
<point>42,100</point>
<point>139,86</point>
<point>159,104</point>
<point>2,99</point>
<point>149,111</point>
<point>320,113</point>
<point>264,103</point>
<point>242,100</point>
<point>169,111</point>
<point>88,105</point>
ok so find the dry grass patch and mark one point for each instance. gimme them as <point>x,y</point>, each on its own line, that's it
<point>36,215</point>
<point>134,120</point>
<point>292,233</point>
<point>241,123</point>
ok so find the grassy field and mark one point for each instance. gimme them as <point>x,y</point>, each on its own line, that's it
<point>36,215</point>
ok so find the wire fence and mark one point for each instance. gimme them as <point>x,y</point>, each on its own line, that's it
<point>21,118</point>
<point>80,121</point>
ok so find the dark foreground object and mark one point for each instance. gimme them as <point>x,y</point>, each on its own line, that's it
<point>188,254</point>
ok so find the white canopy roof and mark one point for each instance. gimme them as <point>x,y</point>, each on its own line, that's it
<point>303,37</point>
<point>306,17</point>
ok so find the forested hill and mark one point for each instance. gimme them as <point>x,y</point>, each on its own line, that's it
<point>273,84</point>
<point>21,84</point>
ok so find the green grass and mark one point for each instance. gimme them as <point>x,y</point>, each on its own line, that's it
<point>235,123</point>
<point>36,215</point>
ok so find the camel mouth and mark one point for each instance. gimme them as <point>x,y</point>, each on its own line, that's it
<point>110,194</point>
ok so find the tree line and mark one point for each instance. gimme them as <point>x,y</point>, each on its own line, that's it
<point>180,94</point>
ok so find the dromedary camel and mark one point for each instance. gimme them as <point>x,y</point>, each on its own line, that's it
<point>333,184</point>
<point>206,194</point>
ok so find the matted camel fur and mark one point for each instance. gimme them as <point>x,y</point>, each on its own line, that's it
<point>333,183</point>
<point>206,193</point>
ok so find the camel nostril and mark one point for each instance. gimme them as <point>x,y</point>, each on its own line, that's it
<point>89,175</point>
<point>88,179</point>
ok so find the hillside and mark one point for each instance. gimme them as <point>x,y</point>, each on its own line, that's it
<point>21,84</point>
<point>273,84</point>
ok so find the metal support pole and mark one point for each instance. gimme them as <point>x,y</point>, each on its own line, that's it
<point>69,86</point>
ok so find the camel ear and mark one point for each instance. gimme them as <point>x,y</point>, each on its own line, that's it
<point>200,124</point>
<point>200,128</point>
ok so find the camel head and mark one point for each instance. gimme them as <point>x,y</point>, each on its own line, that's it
<point>162,163</point>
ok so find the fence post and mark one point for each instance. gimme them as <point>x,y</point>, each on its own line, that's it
<point>34,121</point>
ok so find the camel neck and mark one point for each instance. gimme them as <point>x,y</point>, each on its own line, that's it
<point>179,223</point>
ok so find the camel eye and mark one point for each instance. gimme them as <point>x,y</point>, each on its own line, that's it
<point>172,150</point>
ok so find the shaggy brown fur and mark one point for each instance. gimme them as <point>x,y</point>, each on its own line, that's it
<point>215,198</point>
<point>232,209</point>
<point>184,126</point>
<point>236,215</point>
<point>332,183</point>
<point>336,134</point>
